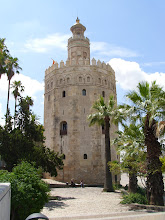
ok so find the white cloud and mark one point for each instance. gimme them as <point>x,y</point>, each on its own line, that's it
<point>42,45</point>
<point>32,86</point>
<point>105,49</point>
<point>154,63</point>
<point>128,74</point>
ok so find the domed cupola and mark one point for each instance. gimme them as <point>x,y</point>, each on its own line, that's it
<point>78,44</point>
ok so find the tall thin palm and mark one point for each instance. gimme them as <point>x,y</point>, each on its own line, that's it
<point>102,116</point>
<point>148,105</point>
<point>18,88</point>
<point>12,67</point>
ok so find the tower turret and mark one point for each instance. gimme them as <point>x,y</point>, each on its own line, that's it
<point>78,44</point>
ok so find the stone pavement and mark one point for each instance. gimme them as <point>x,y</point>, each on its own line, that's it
<point>88,203</point>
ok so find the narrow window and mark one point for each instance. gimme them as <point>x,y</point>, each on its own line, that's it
<point>51,84</point>
<point>63,128</point>
<point>103,94</point>
<point>60,81</point>
<point>68,80</point>
<point>85,156</point>
<point>84,128</point>
<point>80,79</point>
<point>105,82</point>
<point>103,129</point>
<point>64,156</point>
<point>99,80</point>
<point>63,94</point>
<point>48,97</point>
<point>84,92</point>
<point>84,110</point>
<point>48,86</point>
<point>88,79</point>
<point>63,112</point>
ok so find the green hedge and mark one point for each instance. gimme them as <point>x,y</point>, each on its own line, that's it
<point>28,192</point>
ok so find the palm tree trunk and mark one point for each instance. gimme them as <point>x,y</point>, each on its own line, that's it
<point>132,188</point>
<point>155,185</point>
<point>108,187</point>
<point>15,110</point>
<point>7,111</point>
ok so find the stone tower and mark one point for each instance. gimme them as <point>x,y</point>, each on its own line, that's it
<point>70,91</point>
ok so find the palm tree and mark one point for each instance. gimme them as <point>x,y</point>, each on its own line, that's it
<point>11,66</point>
<point>4,54</point>
<point>17,86</point>
<point>148,105</point>
<point>130,142</point>
<point>102,116</point>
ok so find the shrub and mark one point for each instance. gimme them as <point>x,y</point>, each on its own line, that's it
<point>134,198</point>
<point>28,192</point>
<point>117,186</point>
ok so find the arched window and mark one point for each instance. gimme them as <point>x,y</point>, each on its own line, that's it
<point>85,156</point>
<point>84,92</point>
<point>48,97</point>
<point>64,156</point>
<point>80,79</point>
<point>63,94</point>
<point>99,80</point>
<point>68,80</point>
<point>88,79</point>
<point>60,81</point>
<point>63,128</point>
<point>103,94</point>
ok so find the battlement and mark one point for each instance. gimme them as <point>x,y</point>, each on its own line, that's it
<point>69,63</point>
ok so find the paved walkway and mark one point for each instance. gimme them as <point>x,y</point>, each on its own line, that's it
<point>85,203</point>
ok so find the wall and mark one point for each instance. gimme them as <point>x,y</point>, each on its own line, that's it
<point>5,198</point>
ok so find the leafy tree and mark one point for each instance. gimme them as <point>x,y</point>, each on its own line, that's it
<point>28,192</point>
<point>148,106</point>
<point>26,141</point>
<point>102,116</point>
<point>17,88</point>
<point>130,145</point>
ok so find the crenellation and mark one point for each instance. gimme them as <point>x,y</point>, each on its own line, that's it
<point>93,61</point>
<point>61,64</point>
<point>104,65</point>
<point>99,63</point>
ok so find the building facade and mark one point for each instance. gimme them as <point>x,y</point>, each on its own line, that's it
<point>70,91</point>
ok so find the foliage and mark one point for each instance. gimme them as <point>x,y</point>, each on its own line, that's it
<point>117,186</point>
<point>28,192</point>
<point>130,144</point>
<point>26,141</point>
<point>4,54</point>
<point>162,159</point>
<point>134,198</point>
<point>115,167</point>
<point>148,109</point>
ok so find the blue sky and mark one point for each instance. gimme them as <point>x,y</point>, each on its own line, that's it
<point>129,34</point>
